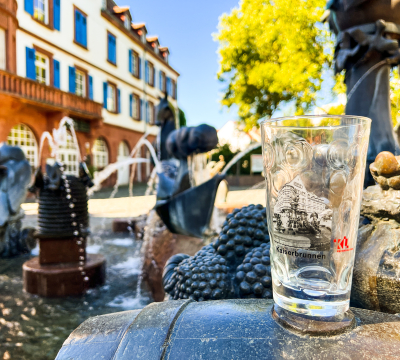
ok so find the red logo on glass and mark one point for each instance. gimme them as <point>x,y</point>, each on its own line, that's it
<point>343,244</point>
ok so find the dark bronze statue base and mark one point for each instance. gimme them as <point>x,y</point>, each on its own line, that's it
<point>305,325</point>
<point>225,330</point>
<point>63,279</point>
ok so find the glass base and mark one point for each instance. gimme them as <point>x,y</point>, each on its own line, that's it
<point>312,307</point>
<point>314,326</point>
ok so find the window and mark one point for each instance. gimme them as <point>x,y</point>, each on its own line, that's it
<point>112,48</point>
<point>150,113</point>
<point>40,10</point>
<point>80,28</point>
<point>149,73</point>
<point>127,23</point>
<point>2,49</point>
<point>20,135</point>
<point>80,83</point>
<point>111,98</point>
<point>162,81</point>
<point>123,172</point>
<point>100,154</point>
<point>135,107</point>
<point>134,63</point>
<point>69,156</point>
<point>42,68</point>
<point>173,89</point>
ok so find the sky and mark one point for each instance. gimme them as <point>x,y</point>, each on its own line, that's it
<point>186,27</point>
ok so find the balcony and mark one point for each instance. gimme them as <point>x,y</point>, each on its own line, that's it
<point>49,98</point>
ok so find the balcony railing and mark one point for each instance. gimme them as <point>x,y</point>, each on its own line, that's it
<point>48,97</point>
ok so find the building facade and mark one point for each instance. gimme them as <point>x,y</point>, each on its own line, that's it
<point>86,60</point>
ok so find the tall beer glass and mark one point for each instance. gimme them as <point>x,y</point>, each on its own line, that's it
<point>314,170</point>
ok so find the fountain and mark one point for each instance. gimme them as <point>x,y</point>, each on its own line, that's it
<point>15,177</point>
<point>63,268</point>
<point>249,328</point>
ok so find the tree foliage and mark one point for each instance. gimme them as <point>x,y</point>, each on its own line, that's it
<point>395,95</point>
<point>272,52</point>
<point>182,118</point>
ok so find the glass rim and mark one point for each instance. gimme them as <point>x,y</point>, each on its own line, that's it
<point>269,123</point>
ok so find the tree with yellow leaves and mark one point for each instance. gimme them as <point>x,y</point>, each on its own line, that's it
<point>272,52</point>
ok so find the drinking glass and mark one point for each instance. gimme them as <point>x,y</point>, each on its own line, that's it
<point>314,170</point>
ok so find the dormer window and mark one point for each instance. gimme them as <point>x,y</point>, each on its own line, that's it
<point>127,23</point>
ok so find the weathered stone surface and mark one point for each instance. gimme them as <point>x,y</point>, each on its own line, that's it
<point>376,276</point>
<point>378,204</point>
<point>159,245</point>
<point>225,330</point>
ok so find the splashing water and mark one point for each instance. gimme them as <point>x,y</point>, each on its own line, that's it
<point>132,160</point>
<point>109,170</point>
<point>237,157</point>
<point>59,138</point>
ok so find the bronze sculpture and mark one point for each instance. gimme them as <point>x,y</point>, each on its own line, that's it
<point>15,175</point>
<point>175,193</point>
<point>367,47</point>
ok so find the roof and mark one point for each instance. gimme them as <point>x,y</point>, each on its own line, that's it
<point>152,38</point>
<point>138,26</point>
<point>120,9</point>
<point>163,48</point>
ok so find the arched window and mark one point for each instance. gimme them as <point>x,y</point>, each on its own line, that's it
<point>20,135</point>
<point>100,154</point>
<point>123,172</point>
<point>69,156</point>
<point>123,149</point>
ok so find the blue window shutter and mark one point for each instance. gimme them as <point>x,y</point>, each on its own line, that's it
<point>78,31</point>
<point>154,77</point>
<point>130,105</point>
<point>72,80</point>
<point>109,46</point>
<point>84,30</point>
<point>57,15</point>
<point>90,87</point>
<point>130,61</point>
<point>105,85</point>
<point>167,86</point>
<point>30,64</point>
<point>29,6</point>
<point>140,67</point>
<point>141,110</point>
<point>115,50</point>
<point>160,80</point>
<point>112,49</point>
<point>147,112</point>
<point>119,101</point>
<point>146,72</point>
<point>56,74</point>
